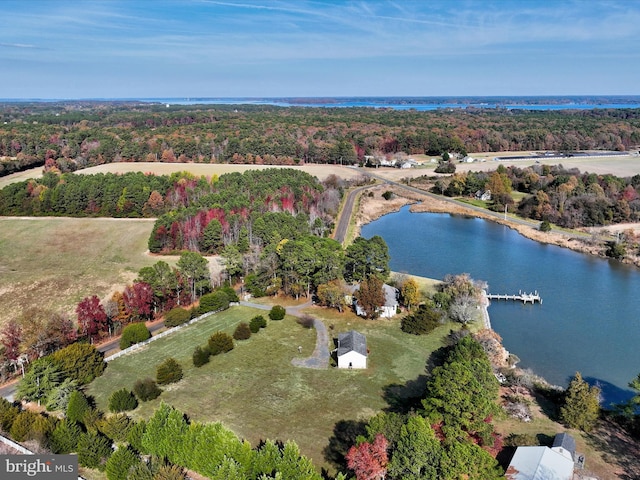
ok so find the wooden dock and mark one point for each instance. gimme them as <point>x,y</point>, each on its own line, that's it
<point>521,297</point>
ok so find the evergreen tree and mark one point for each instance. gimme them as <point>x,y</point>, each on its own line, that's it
<point>120,463</point>
<point>220,342</point>
<point>93,450</point>
<point>168,371</point>
<point>122,400</point>
<point>77,407</point>
<point>418,452</point>
<point>64,438</point>
<point>581,407</point>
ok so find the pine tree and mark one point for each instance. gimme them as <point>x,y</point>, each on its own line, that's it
<point>581,407</point>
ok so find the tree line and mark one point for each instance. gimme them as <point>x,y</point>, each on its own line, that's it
<point>65,140</point>
<point>565,197</point>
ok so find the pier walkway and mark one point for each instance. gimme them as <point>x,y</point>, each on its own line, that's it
<point>522,297</point>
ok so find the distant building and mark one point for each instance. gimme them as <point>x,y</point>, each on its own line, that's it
<point>352,350</point>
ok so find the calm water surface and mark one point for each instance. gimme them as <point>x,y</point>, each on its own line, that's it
<point>589,320</point>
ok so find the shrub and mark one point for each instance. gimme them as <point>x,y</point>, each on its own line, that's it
<point>23,424</point>
<point>200,356</point>
<point>176,316</point>
<point>545,226</point>
<point>231,293</point>
<point>305,321</point>
<point>242,331</point>
<point>277,312</point>
<point>134,333</point>
<point>168,371</point>
<point>257,323</point>
<point>212,302</point>
<point>387,195</point>
<point>521,440</point>
<point>122,400</point>
<point>146,389</point>
<point>445,167</point>
<point>423,320</point>
<point>220,342</point>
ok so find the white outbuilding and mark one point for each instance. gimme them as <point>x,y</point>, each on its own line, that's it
<point>352,350</point>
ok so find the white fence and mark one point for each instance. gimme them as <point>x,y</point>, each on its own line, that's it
<point>138,346</point>
<point>21,449</point>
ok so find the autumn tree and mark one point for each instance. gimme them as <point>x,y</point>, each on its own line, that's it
<point>410,293</point>
<point>581,407</point>
<point>138,300</point>
<point>370,296</point>
<point>369,460</point>
<point>92,319</point>
<point>332,294</point>
<point>11,337</point>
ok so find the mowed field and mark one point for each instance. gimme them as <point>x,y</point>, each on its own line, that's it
<point>53,263</point>
<point>257,392</point>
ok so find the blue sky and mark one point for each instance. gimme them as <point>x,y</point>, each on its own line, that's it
<point>202,48</point>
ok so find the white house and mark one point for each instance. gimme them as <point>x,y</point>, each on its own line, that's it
<point>388,310</point>
<point>352,350</point>
<point>544,463</point>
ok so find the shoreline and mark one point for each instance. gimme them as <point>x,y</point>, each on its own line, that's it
<point>372,208</point>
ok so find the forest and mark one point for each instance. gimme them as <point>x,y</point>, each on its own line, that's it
<point>68,136</point>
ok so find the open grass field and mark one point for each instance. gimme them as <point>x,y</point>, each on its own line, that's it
<point>53,263</point>
<point>259,394</point>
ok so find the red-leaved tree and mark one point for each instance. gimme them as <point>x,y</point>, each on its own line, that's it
<point>369,460</point>
<point>11,340</point>
<point>92,319</point>
<point>138,299</point>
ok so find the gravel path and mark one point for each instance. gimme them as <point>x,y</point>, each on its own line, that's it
<point>321,355</point>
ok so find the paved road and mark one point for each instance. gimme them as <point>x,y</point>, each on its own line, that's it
<point>346,213</point>
<point>8,390</point>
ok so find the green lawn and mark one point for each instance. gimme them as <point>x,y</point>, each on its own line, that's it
<point>258,393</point>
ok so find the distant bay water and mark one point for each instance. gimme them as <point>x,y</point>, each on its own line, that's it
<point>421,103</point>
<point>590,317</point>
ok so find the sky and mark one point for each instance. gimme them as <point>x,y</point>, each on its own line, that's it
<point>71,49</point>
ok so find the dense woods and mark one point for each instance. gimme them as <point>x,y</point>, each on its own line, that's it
<point>67,136</point>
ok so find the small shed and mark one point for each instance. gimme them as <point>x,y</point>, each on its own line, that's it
<point>352,350</point>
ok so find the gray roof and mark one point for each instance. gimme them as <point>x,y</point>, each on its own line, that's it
<point>566,441</point>
<point>352,341</point>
